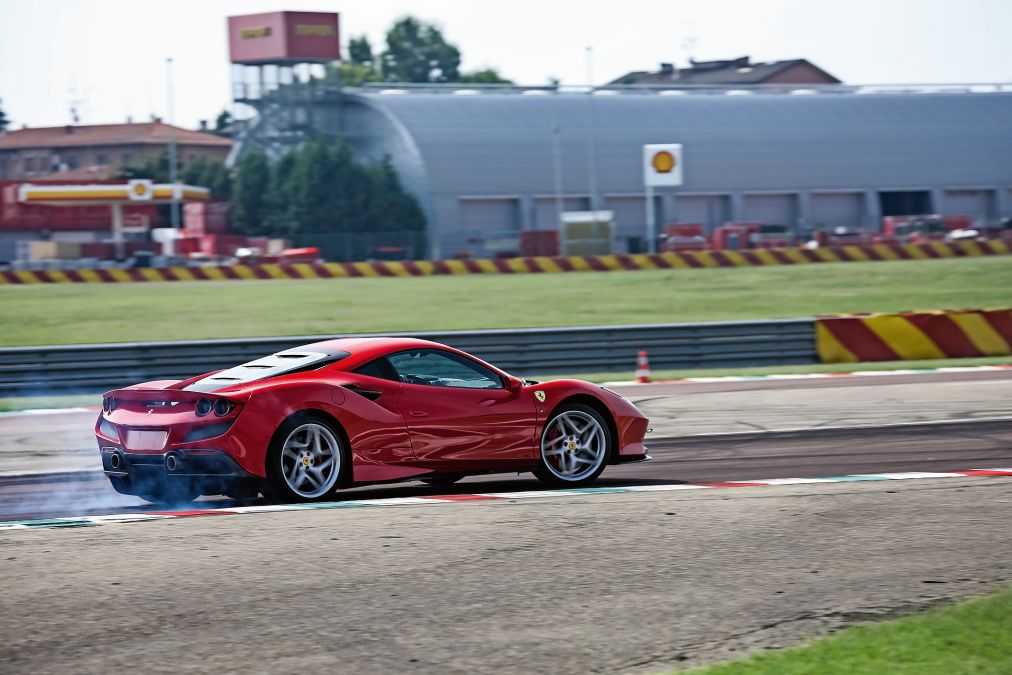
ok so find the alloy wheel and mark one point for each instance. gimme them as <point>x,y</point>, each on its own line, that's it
<point>311,460</point>
<point>573,445</point>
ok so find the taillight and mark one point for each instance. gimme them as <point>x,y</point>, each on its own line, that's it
<point>204,406</point>
<point>108,430</point>
<point>222,407</point>
<point>108,404</point>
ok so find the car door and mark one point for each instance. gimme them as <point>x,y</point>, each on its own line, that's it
<point>460,412</point>
<point>376,425</point>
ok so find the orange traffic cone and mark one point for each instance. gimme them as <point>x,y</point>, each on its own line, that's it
<point>642,367</point>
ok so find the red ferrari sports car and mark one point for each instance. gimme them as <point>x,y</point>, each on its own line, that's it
<point>302,423</point>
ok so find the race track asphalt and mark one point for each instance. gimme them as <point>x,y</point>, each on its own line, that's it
<point>701,432</point>
<point>605,583</point>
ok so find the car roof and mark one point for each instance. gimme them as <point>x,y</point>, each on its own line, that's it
<point>365,348</point>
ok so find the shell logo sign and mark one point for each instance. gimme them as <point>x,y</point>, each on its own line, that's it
<point>662,164</point>
<point>140,190</point>
<point>663,161</point>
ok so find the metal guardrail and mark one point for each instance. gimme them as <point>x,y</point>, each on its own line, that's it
<point>527,351</point>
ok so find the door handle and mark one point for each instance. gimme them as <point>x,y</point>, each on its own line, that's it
<point>419,413</point>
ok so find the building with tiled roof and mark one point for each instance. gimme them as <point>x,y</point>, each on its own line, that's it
<point>739,71</point>
<point>99,150</point>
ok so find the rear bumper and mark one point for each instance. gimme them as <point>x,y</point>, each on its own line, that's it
<point>190,463</point>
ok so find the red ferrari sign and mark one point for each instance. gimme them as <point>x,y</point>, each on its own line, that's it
<point>295,37</point>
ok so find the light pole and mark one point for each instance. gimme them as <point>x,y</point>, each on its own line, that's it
<point>173,163</point>
<point>557,163</point>
<point>592,136</point>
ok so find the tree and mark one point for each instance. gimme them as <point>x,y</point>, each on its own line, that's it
<point>357,74</point>
<point>210,174</point>
<point>484,76</point>
<point>277,217</point>
<point>390,208</point>
<point>152,168</point>
<point>4,120</point>
<point>249,199</point>
<point>222,123</point>
<point>417,52</point>
<point>360,51</point>
<point>319,188</point>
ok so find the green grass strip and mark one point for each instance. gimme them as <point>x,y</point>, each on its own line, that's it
<point>39,314</point>
<point>969,637</point>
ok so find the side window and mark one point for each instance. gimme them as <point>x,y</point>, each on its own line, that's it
<point>377,368</point>
<point>437,368</point>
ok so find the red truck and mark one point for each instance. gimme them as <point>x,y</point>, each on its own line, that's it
<point>742,235</point>
<point>917,229</point>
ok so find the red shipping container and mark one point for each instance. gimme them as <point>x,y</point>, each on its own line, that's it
<point>102,250</point>
<point>539,243</point>
<point>205,218</point>
<point>187,245</point>
<point>222,244</point>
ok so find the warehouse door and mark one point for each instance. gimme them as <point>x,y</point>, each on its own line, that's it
<point>837,209</point>
<point>490,226</point>
<point>771,209</point>
<point>630,220</point>
<point>546,215</point>
<point>905,203</point>
<point>978,204</point>
<point>710,210</point>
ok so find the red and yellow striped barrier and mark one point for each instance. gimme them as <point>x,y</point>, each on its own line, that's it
<point>602,263</point>
<point>943,334</point>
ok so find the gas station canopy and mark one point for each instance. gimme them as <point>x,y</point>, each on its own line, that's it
<point>138,191</point>
<point>135,191</point>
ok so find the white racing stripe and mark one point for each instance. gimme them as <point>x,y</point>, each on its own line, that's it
<point>122,518</point>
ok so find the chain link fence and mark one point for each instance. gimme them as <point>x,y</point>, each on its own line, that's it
<point>358,246</point>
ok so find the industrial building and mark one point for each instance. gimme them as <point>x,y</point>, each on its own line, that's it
<point>487,164</point>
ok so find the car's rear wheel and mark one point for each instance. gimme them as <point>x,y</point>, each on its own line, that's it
<point>442,480</point>
<point>575,445</point>
<point>307,460</point>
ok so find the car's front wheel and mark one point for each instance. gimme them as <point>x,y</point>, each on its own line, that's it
<point>575,445</point>
<point>307,460</point>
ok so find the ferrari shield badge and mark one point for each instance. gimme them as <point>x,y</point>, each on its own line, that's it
<point>540,395</point>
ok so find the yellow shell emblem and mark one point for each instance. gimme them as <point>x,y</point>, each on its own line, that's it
<point>540,395</point>
<point>663,162</point>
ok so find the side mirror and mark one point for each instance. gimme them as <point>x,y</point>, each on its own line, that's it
<point>514,385</point>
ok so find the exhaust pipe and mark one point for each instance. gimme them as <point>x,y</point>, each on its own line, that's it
<point>171,463</point>
<point>114,461</point>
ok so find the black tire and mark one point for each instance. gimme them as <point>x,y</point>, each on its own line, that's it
<point>546,474</point>
<point>276,488</point>
<point>443,480</point>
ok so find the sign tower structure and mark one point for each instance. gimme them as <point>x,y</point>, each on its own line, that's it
<point>279,68</point>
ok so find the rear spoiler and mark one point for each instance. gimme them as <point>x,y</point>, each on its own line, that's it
<point>170,395</point>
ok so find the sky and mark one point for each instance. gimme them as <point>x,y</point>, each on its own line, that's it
<point>107,58</point>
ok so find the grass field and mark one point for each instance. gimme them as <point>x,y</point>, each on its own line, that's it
<point>970,637</point>
<point>76,313</point>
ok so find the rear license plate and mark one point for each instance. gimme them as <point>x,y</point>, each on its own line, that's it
<point>145,440</point>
